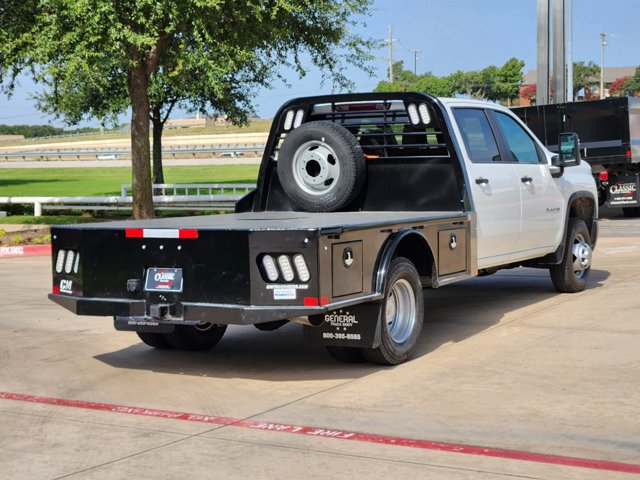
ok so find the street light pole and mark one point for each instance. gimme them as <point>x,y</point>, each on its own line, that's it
<point>415,60</point>
<point>603,44</point>
<point>390,54</point>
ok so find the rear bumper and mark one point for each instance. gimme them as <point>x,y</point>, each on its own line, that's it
<point>193,313</point>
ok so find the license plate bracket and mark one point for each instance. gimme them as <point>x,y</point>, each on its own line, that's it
<point>163,280</point>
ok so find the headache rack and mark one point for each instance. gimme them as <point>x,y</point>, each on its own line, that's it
<point>380,122</point>
<point>410,156</point>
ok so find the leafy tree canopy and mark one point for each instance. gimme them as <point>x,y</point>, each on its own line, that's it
<point>632,85</point>
<point>493,83</point>
<point>585,75</point>
<point>97,57</point>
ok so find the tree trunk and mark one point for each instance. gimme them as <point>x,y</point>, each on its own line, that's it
<point>138,84</point>
<point>158,125</point>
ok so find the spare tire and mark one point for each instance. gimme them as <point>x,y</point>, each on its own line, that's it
<point>321,166</point>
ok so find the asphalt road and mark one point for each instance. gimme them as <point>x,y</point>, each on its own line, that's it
<point>511,380</point>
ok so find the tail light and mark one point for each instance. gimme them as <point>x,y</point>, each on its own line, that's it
<point>283,267</point>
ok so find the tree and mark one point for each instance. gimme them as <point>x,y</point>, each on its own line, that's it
<point>406,80</point>
<point>403,80</point>
<point>585,75</point>
<point>96,57</point>
<point>529,92</point>
<point>509,78</point>
<point>492,83</point>
<point>617,87</point>
<point>464,82</point>
<point>632,85</point>
<point>438,86</point>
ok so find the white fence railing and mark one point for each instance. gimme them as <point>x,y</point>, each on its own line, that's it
<point>169,196</point>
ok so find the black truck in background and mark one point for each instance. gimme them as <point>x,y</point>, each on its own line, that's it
<point>609,132</point>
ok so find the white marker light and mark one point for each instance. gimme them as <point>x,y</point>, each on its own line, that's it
<point>412,110</point>
<point>299,117</point>
<point>68,264</point>
<point>424,113</point>
<point>285,268</point>
<point>270,269</point>
<point>301,267</point>
<point>288,120</point>
<point>76,265</point>
<point>60,260</point>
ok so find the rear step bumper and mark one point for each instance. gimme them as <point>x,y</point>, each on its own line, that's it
<point>193,313</point>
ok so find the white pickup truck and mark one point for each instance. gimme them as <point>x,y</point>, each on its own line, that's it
<point>362,201</point>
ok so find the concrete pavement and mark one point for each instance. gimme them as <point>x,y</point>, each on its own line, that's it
<point>504,363</point>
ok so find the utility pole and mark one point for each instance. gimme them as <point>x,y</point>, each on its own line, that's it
<point>569,50</point>
<point>559,52</point>
<point>543,54</point>
<point>415,60</point>
<point>390,54</point>
<point>603,44</point>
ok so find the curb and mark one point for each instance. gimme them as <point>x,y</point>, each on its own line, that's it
<point>25,251</point>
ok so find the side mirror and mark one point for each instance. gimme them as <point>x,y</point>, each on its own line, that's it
<point>569,149</point>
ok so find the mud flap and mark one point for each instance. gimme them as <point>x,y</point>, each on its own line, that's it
<point>355,326</point>
<point>142,324</point>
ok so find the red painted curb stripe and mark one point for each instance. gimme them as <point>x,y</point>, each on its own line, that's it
<point>338,434</point>
<point>343,435</point>
<point>25,250</point>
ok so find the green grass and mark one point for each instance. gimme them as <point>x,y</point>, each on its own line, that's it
<point>74,182</point>
<point>50,219</point>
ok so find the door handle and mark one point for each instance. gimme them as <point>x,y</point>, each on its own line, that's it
<point>526,179</point>
<point>482,181</point>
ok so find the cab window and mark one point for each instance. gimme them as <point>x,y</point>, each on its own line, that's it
<point>522,146</point>
<point>477,135</point>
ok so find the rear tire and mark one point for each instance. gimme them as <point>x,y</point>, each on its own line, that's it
<point>198,337</point>
<point>155,340</point>
<point>570,276</point>
<point>402,314</point>
<point>271,326</point>
<point>346,354</point>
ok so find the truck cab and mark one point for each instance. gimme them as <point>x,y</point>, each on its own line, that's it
<point>362,201</point>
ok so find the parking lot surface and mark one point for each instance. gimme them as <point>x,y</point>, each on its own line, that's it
<point>510,380</point>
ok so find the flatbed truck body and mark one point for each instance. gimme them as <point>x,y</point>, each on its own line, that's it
<point>362,201</point>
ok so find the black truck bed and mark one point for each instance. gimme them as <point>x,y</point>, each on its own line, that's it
<point>274,221</point>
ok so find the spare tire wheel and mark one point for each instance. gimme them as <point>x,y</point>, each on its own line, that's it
<point>321,166</point>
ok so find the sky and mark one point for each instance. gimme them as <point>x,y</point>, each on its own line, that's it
<point>450,34</point>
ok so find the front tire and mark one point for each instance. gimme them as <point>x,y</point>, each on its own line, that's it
<point>402,315</point>
<point>197,337</point>
<point>570,276</point>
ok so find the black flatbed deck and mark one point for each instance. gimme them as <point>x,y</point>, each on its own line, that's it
<point>275,221</point>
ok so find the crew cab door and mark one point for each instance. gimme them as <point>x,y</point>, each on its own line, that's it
<point>542,201</point>
<point>495,186</point>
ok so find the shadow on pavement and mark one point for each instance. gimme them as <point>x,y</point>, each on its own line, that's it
<point>452,314</point>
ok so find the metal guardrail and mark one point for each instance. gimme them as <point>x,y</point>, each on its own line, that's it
<point>113,153</point>
<point>218,196</point>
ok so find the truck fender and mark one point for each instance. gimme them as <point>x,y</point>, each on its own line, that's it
<point>580,205</point>
<point>422,258</point>
<point>369,333</point>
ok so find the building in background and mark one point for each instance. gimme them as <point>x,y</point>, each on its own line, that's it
<point>611,74</point>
